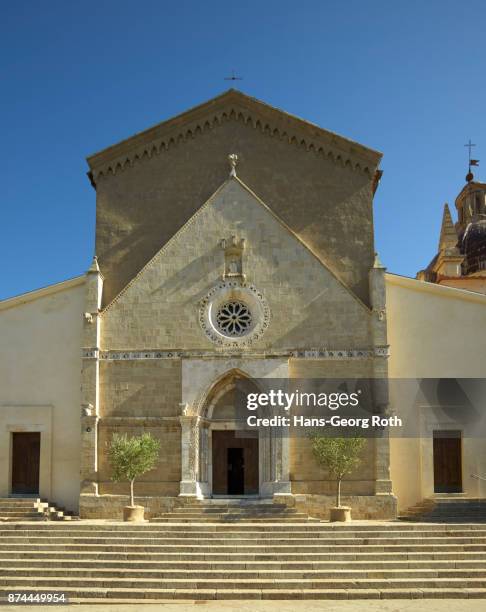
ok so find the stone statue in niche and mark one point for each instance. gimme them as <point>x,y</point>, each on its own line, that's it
<point>233,267</point>
<point>233,257</point>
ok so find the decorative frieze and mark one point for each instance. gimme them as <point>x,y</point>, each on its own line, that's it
<point>377,351</point>
<point>140,421</point>
<point>382,351</point>
<point>135,355</point>
<point>332,354</point>
<point>320,353</point>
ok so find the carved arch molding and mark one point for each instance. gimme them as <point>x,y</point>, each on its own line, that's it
<point>197,425</point>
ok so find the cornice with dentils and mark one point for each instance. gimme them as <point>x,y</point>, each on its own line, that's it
<point>233,106</point>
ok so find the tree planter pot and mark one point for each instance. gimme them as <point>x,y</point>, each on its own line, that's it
<point>341,514</point>
<point>133,513</point>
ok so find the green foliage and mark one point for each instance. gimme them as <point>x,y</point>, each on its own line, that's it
<point>340,456</point>
<point>131,457</point>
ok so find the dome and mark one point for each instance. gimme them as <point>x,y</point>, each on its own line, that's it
<point>473,246</point>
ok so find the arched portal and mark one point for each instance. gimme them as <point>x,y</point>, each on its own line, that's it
<point>233,448</point>
<point>223,455</point>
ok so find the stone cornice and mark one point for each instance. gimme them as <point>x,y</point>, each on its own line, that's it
<point>442,291</point>
<point>233,106</point>
<point>469,188</point>
<point>30,296</point>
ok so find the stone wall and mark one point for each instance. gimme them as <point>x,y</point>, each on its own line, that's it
<point>307,476</point>
<point>363,506</point>
<point>40,367</point>
<point>309,306</point>
<point>435,332</point>
<point>375,507</point>
<point>165,478</point>
<point>141,207</point>
<point>109,506</point>
<point>148,388</point>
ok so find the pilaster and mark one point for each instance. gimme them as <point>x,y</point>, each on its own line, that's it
<point>90,409</point>
<point>383,484</point>
<point>189,486</point>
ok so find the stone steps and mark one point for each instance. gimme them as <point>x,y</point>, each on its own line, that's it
<point>95,561</point>
<point>21,509</point>
<point>14,500</point>
<point>247,544</point>
<point>195,583</point>
<point>97,564</point>
<point>178,552</point>
<point>14,509</point>
<point>60,536</point>
<point>234,575</point>
<point>253,511</point>
<point>369,527</point>
<point>212,512</point>
<point>444,509</point>
<point>228,519</point>
<point>23,516</point>
<point>217,508</point>
<point>18,507</point>
<point>157,596</point>
<point>334,543</point>
<point>247,558</point>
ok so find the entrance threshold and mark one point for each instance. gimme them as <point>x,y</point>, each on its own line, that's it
<point>237,499</point>
<point>24,495</point>
<point>452,495</point>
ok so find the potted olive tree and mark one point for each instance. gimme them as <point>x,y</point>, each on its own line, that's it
<point>340,456</point>
<point>130,457</point>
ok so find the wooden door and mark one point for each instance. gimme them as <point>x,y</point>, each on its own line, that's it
<point>220,465</point>
<point>252,485</point>
<point>447,462</point>
<point>25,462</point>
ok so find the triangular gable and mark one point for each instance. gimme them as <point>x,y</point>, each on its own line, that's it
<point>200,212</point>
<point>233,105</point>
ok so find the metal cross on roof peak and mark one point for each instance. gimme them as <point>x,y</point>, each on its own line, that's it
<point>471,162</point>
<point>233,77</point>
<point>469,145</point>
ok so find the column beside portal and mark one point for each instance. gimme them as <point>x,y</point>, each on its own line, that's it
<point>189,455</point>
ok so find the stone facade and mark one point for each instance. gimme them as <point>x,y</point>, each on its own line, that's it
<point>289,233</point>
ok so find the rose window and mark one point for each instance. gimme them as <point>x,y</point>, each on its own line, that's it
<point>234,319</point>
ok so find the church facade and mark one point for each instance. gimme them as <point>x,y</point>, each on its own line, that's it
<point>233,242</point>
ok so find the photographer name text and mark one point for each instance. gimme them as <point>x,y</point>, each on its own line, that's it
<point>335,421</point>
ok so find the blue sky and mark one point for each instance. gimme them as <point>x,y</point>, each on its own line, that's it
<point>406,78</point>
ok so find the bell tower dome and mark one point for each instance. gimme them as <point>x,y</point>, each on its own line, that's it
<point>461,258</point>
<point>471,227</point>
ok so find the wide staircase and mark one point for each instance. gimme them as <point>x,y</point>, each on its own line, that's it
<point>14,509</point>
<point>272,554</point>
